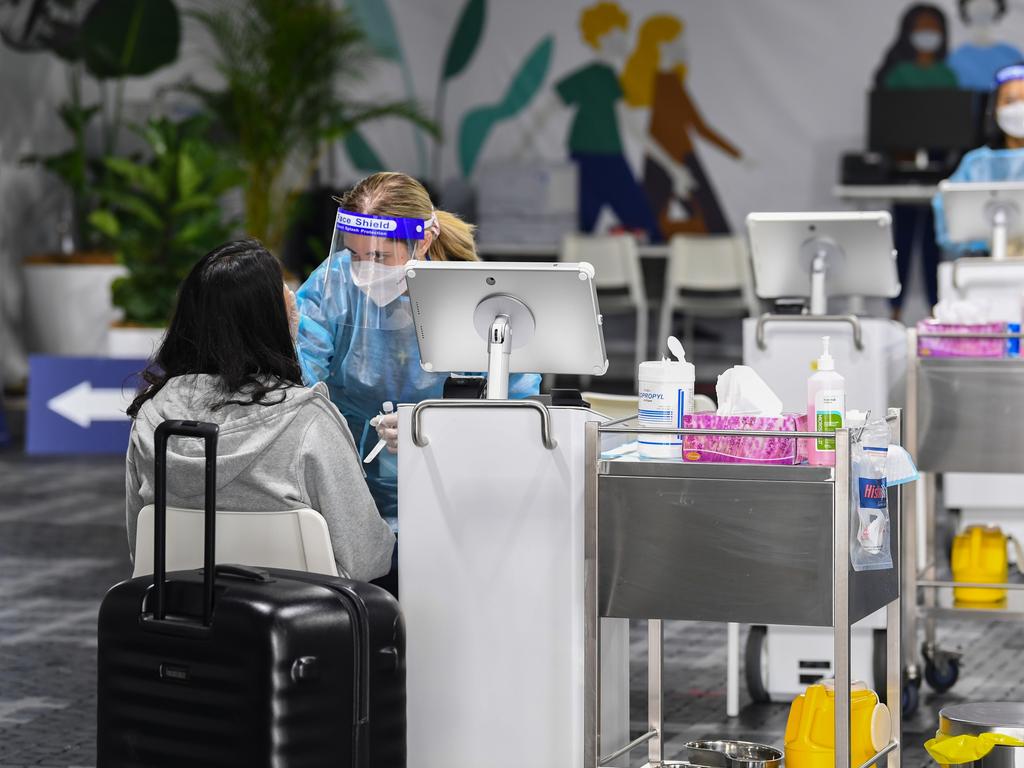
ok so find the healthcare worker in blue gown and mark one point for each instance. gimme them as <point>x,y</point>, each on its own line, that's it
<point>1001,160</point>
<point>356,328</point>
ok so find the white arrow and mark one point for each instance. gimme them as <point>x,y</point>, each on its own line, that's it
<point>83,405</point>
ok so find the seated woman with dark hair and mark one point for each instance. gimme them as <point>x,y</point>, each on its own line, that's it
<point>229,358</point>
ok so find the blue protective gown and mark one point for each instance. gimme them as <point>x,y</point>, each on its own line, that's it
<point>982,164</point>
<point>368,356</point>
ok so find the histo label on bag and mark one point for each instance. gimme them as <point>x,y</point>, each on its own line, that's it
<point>873,493</point>
<point>829,406</point>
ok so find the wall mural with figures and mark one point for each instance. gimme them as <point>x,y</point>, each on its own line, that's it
<point>677,117</point>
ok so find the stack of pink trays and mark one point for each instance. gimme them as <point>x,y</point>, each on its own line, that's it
<point>931,346</point>
<point>734,449</point>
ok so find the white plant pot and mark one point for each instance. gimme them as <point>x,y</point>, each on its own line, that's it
<point>134,343</point>
<point>69,310</point>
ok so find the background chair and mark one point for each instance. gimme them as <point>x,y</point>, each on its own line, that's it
<point>706,276</point>
<point>620,286</point>
<point>296,539</point>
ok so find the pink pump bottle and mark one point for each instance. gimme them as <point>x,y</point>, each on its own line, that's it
<point>826,408</point>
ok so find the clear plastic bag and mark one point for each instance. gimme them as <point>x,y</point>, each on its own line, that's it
<point>870,539</point>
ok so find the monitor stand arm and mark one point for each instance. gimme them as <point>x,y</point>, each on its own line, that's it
<point>819,298</point>
<point>1000,225</point>
<point>499,350</point>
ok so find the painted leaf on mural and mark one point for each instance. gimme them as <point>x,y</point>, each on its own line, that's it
<point>361,153</point>
<point>478,123</point>
<point>466,39</point>
<point>375,20</point>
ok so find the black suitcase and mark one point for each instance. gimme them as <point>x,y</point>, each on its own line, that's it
<point>250,667</point>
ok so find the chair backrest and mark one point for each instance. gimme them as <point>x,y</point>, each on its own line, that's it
<point>296,539</point>
<point>615,259</point>
<point>708,263</point>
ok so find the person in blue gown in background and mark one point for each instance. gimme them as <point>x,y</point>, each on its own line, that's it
<point>1001,160</point>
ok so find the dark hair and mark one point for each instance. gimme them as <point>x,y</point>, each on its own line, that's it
<point>901,50</point>
<point>230,321</point>
<point>1000,10</point>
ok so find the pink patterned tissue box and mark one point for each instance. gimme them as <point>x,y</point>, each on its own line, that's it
<point>939,347</point>
<point>734,449</point>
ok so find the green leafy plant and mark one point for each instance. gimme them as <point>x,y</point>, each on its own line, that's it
<point>162,213</point>
<point>108,40</point>
<point>287,66</point>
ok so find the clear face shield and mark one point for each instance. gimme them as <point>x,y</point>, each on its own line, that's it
<point>365,279</point>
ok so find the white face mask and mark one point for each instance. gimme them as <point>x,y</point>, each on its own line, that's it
<point>926,40</point>
<point>1011,119</point>
<point>982,12</point>
<point>383,284</point>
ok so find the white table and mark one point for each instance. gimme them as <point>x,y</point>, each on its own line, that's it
<point>495,251</point>
<point>885,194</point>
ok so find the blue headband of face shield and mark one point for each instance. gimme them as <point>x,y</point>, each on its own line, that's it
<point>381,226</point>
<point>1012,72</point>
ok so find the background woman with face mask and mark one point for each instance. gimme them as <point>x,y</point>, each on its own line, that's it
<point>356,328</point>
<point>917,57</point>
<point>916,61</point>
<point>1001,160</point>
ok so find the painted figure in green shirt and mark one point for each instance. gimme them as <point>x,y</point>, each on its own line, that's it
<point>595,145</point>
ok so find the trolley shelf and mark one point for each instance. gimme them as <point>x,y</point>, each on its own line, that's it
<point>726,542</point>
<point>964,415</point>
<point>970,414</point>
<point>730,543</point>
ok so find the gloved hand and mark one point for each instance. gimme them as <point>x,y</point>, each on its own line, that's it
<point>387,430</point>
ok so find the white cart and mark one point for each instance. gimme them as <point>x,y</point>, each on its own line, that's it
<point>490,552</point>
<point>871,354</point>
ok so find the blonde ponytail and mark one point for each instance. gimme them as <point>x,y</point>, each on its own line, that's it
<point>455,241</point>
<point>395,194</point>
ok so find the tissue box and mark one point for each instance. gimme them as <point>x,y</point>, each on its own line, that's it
<point>937,347</point>
<point>733,449</point>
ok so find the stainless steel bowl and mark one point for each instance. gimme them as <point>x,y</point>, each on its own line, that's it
<point>726,753</point>
<point>973,718</point>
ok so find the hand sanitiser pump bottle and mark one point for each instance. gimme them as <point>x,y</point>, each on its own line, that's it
<point>826,408</point>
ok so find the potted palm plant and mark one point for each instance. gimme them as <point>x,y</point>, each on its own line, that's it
<point>104,41</point>
<point>287,69</point>
<point>161,213</point>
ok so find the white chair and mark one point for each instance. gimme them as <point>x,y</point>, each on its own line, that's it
<point>706,276</point>
<point>296,539</point>
<point>619,282</point>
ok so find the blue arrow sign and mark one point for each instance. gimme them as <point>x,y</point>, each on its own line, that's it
<point>77,405</point>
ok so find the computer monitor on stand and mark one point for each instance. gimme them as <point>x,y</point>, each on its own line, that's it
<point>817,255</point>
<point>918,123</point>
<point>990,211</point>
<point>506,318</point>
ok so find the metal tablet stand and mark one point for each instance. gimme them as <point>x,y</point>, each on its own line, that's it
<point>496,318</point>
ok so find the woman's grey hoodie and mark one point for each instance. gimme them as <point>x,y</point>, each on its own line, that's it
<point>295,454</point>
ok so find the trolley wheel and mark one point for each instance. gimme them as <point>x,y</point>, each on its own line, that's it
<point>911,697</point>
<point>878,662</point>
<point>942,672</point>
<point>754,664</point>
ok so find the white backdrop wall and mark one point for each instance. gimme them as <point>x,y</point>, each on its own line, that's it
<point>784,80</point>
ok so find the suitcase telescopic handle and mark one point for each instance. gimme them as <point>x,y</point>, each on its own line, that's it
<point>208,433</point>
